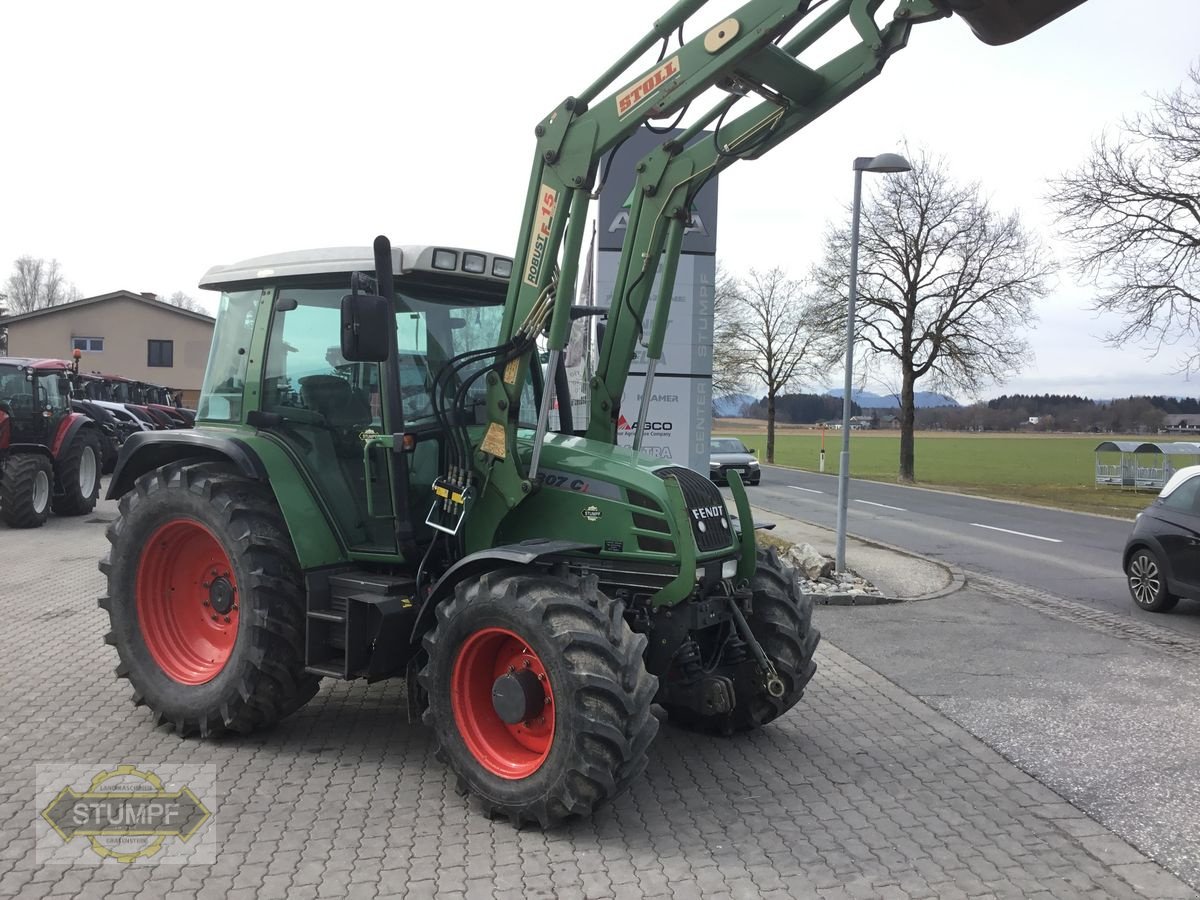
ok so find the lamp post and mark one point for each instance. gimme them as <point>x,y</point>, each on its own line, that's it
<point>884,162</point>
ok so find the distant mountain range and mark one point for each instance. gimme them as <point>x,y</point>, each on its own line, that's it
<point>921,399</point>
<point>731,404</point>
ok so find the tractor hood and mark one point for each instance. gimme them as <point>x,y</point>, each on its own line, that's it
<point>619,499</point>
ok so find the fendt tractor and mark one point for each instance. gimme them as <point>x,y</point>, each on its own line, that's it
<point>374,488</point>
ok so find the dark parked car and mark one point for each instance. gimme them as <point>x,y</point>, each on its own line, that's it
<point>1162,555</point>
<point>725,454</point>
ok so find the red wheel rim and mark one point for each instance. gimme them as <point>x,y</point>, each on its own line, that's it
<point>187,602</point>
<point>510,751</point>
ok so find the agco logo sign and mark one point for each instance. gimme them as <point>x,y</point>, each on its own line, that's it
<point>625,425</point>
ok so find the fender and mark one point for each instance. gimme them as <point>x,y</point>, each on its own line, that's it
<point>1152,543</point>
<point>521,554</point>
<point>67,429</point>
<point>144,451</point>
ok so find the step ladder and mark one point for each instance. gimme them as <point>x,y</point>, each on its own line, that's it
<point>359,613</point>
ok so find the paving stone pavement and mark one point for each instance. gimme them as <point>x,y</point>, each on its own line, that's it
<point>861,791</point>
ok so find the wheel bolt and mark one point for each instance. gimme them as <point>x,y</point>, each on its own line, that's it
<point>541,720</point>
<point>227,620</point>
<point>214,618</point>
<point>206,603</point>
<point>528,663</point>
<point>234,607</point>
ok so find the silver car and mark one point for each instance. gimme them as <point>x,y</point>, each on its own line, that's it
<point>730,454</point>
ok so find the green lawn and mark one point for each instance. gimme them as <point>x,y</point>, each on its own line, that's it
<point>1048,470</point>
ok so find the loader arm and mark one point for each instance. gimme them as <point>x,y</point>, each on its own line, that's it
<point>742,53</point>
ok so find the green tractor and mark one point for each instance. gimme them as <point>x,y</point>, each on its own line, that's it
<point>373,488</point>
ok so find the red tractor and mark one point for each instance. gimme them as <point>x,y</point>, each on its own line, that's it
<point>50,456</point>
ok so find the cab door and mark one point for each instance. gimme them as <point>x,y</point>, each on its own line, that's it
<point>322,408</point>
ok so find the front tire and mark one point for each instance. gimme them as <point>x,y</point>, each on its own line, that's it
<point>77,473</point>
<point>781,621</point>
<point>1148,583</point>
<point>25,489</point>
<point>206,601</point>
<point>560,650</point>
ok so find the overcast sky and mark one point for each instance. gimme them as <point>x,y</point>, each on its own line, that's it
<point>145,142</point>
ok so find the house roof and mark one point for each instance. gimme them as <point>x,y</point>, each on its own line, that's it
<point>148,299</point>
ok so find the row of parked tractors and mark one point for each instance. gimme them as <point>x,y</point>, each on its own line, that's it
<point>61,429</point>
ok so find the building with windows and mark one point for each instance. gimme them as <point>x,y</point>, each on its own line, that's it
<point>120,333</point>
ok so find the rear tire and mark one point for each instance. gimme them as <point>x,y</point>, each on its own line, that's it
<point>581,733</point>
<point>1148,583</point>
<point>77,473</point>
<point>781,621</point>
<point>25,490</point>
<point>206,601</point>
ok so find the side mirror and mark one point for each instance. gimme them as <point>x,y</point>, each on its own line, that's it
<point>366,319</point>
<point>751,450</point>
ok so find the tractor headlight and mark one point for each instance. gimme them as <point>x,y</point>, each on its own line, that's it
<point>729,568</point>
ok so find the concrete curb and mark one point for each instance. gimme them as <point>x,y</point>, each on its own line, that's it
<point>958,578</point>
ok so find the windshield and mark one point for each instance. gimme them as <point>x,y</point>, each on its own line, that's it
<point>726,445</point>
<point>432,327</point>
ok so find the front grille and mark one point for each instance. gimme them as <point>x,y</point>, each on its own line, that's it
<point>700,493</point>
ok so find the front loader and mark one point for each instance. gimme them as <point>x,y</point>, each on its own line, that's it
<point>374,487</point>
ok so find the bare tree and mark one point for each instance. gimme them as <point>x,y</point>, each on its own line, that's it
<point>945,285</point>
<point>184,301</point>
<point>774,335</point>
<point>37,284</point>
<point>1133,211</point>
<point>730,371</point>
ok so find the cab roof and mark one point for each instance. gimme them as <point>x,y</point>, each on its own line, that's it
<point>406,260</point>
<point>26,362</point>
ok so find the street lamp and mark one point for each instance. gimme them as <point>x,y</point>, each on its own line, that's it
<point>884,162</point>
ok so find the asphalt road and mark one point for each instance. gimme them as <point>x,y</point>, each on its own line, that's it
<point>1072,555</point>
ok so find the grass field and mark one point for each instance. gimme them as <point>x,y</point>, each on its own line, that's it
<point>1051,470</point>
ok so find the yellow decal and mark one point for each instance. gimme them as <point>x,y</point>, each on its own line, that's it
<point>637,93</point>
<point>493,442</point>
<point>539,240</point>
<point>510,371</point>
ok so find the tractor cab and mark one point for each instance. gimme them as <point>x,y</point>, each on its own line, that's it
<point>303,393</point>
<point>36,395</point>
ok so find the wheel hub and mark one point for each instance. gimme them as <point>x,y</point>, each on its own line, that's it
<point>518,696</point>
<point>221,595</point>
<point>503,703</point>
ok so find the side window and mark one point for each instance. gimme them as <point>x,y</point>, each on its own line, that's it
<point>225,374</point>
<point>305,369</point>
<point>1185,498</point>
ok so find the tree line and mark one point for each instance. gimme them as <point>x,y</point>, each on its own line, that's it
<point>948,285</point>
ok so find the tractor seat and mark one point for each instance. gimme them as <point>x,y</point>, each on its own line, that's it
<point>334,398</point>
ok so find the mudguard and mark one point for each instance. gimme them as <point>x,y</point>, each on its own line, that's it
<point>521,554</point>
<point>145,451</point>
<point>67,429</point>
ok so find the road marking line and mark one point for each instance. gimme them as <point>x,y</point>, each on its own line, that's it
<point>884,505</point>
<point>810,490</point>
<point>1036,537</point>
